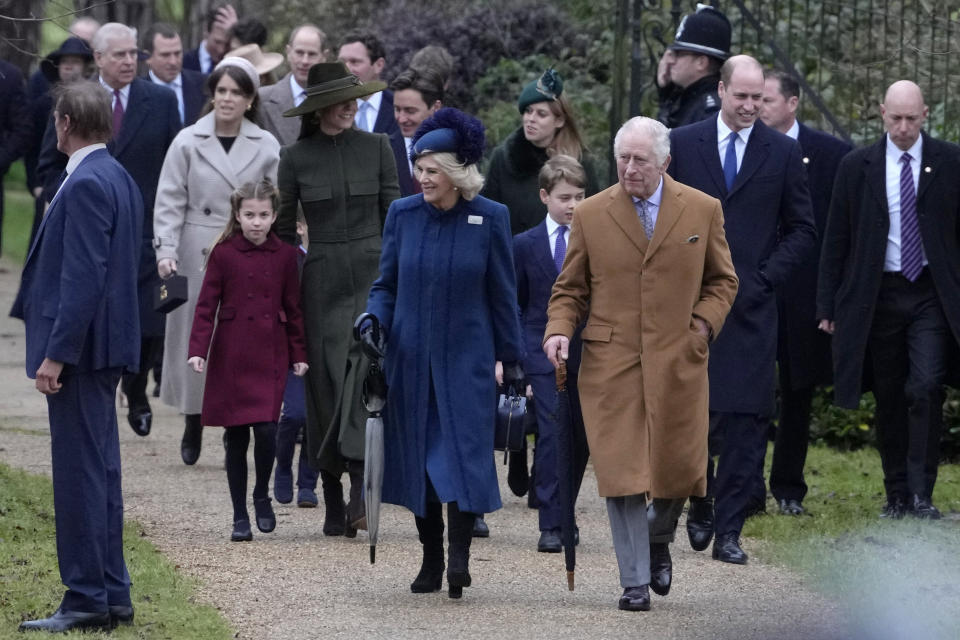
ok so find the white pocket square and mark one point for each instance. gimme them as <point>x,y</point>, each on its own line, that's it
<point>692,239</point>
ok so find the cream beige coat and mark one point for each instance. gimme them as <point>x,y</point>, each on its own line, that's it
<point>643,377</point>
<point>192,208</point>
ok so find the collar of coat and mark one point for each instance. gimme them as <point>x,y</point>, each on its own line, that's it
<point>272,243</point>
<point>207,126</point>
<point>523,158</point>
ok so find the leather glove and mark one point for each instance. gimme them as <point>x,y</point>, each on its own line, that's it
<point>372,337</point>
<point>513,376</point>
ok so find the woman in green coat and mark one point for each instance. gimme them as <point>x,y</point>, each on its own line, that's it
<point>344,179</point>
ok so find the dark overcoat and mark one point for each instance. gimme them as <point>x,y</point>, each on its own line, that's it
<point>769,226</point>
<point>253,294</point>
<point>513,179</point>
<point>345,184</point>
<point>803,351</point>
<point>448,300</point>
<point>851,264</point>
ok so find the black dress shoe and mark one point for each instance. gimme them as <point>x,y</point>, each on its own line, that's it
<point>661,568</point>
<point>726,548</point>
<point>241,531</point>
<point>894,509</point>
<point>192,439</point>
<point>62,621</point>
<point>923,508</point>
<point>480,528</point>
<point>635,599</point>
<point>121,614</point>
<point>550,541</point>
<point>429,580</point>
<point>266,519</point>
<point>700,523</point>
<point>791,508</point>
<point>140,422</point>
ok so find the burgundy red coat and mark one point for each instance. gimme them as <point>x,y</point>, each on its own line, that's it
<point>259,331</point>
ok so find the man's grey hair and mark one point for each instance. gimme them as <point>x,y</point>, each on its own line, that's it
<point>111,31</point>
<point>659,134</point>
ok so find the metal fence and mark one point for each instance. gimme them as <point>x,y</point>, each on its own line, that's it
<point>846,51</point>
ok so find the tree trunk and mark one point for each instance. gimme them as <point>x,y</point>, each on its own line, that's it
<point>20,41</point>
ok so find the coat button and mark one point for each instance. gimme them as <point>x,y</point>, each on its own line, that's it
<point>266,316</point>
<point>206,211</point>
<point>250,295</point>
<point>250,274</point>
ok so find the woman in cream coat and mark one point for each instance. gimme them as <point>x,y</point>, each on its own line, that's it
<point>205,163</point>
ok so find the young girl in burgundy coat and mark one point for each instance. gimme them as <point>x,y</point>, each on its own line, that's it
<point>252,289</point>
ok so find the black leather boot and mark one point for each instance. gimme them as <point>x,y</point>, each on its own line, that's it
<point>458,560</point>
<point>430,578</point>
<point>335,518</point>
<point>192,438</point>
<point>356,509</point>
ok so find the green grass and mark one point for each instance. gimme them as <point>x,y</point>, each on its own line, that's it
<point>892,579</point>
<point>30,584</point>
<point>17,215</point>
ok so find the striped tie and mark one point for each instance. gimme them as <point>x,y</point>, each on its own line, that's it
<point>911,247</point>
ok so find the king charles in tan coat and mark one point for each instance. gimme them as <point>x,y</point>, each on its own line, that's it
<point>651,306</point>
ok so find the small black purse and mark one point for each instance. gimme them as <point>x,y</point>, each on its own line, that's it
<point>510,431</point>
<point>170,293</point>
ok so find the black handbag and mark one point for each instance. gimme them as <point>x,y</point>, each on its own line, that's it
<point>510,433</point>
<point>170,293</point>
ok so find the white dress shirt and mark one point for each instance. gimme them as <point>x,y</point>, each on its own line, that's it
<point>124,96</point>
<point>299,93</point>
<point>206,60</point>
<point>409,145</point>
<point>553,229</point>
<point>653,203</point>
<point>891,261</point>
<point>366,116</point>
<point>176,84</point>
<point>723,138</point>
<point>76,158</point>
<point>794,130</point>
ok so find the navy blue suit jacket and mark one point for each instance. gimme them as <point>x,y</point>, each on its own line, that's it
<point>191,60</point>
<point>194,95</point>
<point>803,351</point>
<point>386,122</point>
<point>770,229</point>
<point>536,273</point>
<point>399,147</point>
<point>78,293</point>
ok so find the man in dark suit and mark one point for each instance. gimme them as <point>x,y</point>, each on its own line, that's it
<point>803,352</point>
<point>218,21</point>
<point>364,56</point>
<point>164,49</point>
<point>417,94</point>
<point>78,299</point>
<point>15,122</point>
<point>889,291</point>
<point>146,119</point>
<point>757,173</point>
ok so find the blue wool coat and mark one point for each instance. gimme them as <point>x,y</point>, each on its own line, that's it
<point>446,296</point>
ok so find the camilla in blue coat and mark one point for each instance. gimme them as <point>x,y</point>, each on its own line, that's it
<point>446,297</point>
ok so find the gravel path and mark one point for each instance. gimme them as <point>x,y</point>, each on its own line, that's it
<point>296,583</point>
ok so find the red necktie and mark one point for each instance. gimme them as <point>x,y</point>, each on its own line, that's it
<point>117,114</point>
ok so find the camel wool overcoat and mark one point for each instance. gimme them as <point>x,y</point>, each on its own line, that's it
<point>643,373</point>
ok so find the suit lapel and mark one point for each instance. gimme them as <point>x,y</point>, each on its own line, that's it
<point>624,214</point>
<point>282,100</point>
<point>929,164</point>
<point>133,117</point>
<point>542,252</point>
<point>808,150</point>
<point>711,156</point>
<point>671,206</point>
<point>875,174</point>
<point>758,148</point>
<point>211,150</point>
<point>245,148</point>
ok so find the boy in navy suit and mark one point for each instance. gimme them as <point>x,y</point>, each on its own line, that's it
<point>538,257</point>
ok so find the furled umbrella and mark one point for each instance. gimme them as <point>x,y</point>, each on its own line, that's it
<point>565,458</point>
<point>368,331</point>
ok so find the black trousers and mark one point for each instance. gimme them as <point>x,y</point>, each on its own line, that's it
<point>908,344</point>
<point>790,447</point>
<point>740,441</point>
<point>134,385</point>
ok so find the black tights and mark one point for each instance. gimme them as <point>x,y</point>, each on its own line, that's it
<point>237,439</point>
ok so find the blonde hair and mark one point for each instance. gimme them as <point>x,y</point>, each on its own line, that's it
<point>262,190</point>
<point>465,177</point>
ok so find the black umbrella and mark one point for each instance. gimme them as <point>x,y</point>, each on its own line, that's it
<point>565,466</point>
<point>367,330</point>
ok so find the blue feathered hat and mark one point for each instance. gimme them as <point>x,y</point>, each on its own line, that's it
<point>453,131</point>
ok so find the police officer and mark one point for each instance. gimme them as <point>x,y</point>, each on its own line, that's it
<point>689,70</point>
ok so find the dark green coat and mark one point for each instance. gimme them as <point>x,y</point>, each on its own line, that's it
<point>345,184</point>
<point>513,179</point>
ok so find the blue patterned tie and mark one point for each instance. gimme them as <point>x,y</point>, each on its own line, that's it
<point>730,162</point>
<point>560,248</point>
<point>643,209</point>
<point>911,248</point>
